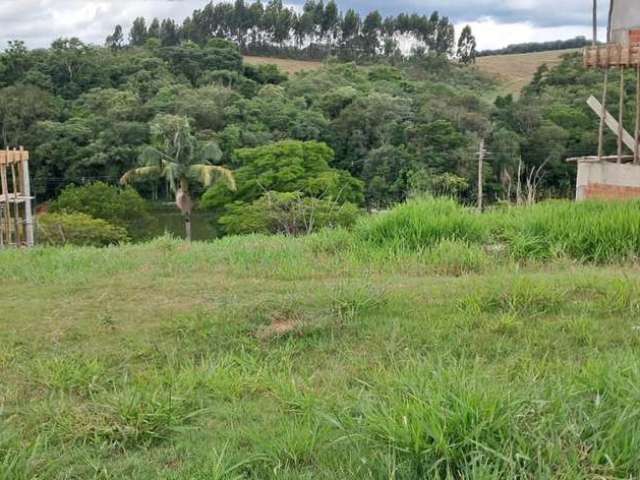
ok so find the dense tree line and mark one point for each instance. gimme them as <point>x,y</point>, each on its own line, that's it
<point>318,30</point>
<point>550,122</point>
<point>88,114</point>
<point>531,47</point>
<point>363,136</point>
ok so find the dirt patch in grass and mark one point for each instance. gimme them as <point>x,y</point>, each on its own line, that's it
<point>278,328</point>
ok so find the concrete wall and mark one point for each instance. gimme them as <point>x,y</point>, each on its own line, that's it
<point>608,181</point>
<point>625,16</point>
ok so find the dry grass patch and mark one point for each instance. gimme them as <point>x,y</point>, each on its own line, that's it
<point>515,71</point>
<point>286,65</point>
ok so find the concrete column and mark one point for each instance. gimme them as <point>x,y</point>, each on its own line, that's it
<point>28,212</point>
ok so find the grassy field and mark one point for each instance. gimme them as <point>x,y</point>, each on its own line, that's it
<point>286,65</point>
<point>336,356</point>
<point>515,72</point>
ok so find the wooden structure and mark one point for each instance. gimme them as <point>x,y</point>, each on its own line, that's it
<point>16,217</point>
<point>612,55</point>
<point>616,176</point>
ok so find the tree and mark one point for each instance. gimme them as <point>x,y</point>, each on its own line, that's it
<point>445,37</point>
<point>169,35</point>
<point>154,29</point>
<point>385,172</point>
<point>330,21</point>
<point>115,41</point>
<point>350,25</point>
<point>121,207</point>
<point>467,46</point>
<point>21,106</point>
<point>178,157</point>
<point>138,34</point>
<point>287,166</point>
<point>371,31</point>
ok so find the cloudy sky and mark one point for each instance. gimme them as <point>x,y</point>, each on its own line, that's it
<point>496,23</point>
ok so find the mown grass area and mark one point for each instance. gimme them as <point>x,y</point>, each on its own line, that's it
<point>339,355</point>
<point>515,71</point>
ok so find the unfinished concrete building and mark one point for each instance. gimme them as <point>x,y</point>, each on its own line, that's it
<point>624,22</point>
<point>614,176</point>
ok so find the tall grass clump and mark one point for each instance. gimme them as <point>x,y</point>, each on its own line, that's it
<point>17,462</point>
<point>423,223</point>
<point>593,231</point>
<point>447,425</point>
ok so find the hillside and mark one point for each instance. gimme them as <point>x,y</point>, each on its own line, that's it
<point>514,72</point>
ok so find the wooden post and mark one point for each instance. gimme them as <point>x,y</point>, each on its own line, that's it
<point>26,192</point>
<point>621,114</point>
<point>481,175</point>
<point>603,116</point>
<point>636,151</point>
<point>5,198</point>
<point>2,207</point>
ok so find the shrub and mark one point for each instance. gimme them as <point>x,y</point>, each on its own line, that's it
<point>265,74</point>
<point>78,229</point>
<point>423,223</point>
<point>121,207</point>
<point>287,213</point>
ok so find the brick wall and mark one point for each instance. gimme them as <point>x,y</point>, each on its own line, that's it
<point>610,192</point>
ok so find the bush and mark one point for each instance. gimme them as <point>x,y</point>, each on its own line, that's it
<point>78,229</point>
<point>265,74</point>
<point>423,223</point>
<point>117,206</point>
<point>287,213</point>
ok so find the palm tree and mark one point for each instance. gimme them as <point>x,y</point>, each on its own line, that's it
<point>178,157</point>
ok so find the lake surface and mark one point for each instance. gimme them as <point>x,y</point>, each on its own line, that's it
<point>166,218</point>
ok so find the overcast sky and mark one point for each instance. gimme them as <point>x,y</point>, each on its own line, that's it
<point>496,23</point>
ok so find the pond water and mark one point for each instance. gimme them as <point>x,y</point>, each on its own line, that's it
<point>166,218</point>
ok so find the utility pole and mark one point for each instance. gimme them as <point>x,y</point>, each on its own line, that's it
<point>595,22</point>
<point>481,154</point>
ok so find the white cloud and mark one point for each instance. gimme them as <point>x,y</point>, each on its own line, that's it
<point>38,22</point>
<point>495,22</point>
<point>492,34</point>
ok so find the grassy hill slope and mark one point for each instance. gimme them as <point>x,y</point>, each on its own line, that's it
<point>514,72</point>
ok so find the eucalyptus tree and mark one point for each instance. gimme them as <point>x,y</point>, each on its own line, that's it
<point>176,156</point>
<point>138,33</point>
<point>467,47</point>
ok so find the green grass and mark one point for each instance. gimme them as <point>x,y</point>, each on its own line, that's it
<point>330,356</point>
<point>591,231</point>
<point>594,231</point>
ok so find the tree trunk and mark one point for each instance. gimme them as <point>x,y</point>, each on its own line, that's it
<point>185,204</point>
<point>187,226</point>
